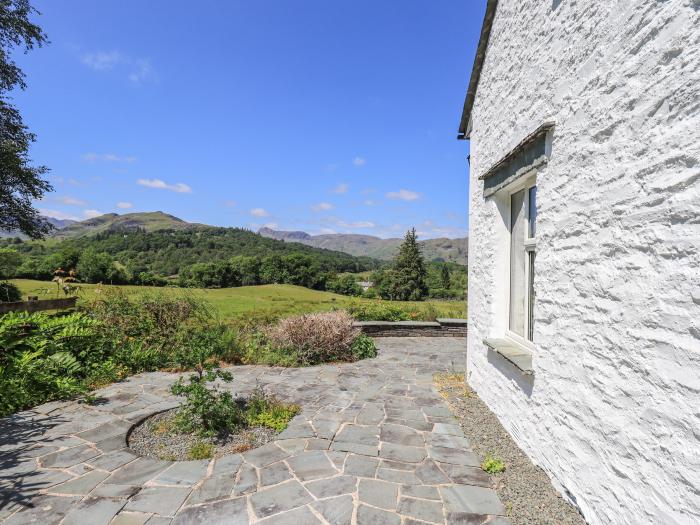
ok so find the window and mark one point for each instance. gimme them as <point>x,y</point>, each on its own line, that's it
<point>523,215</point>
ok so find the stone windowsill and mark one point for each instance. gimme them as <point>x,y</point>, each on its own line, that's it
<point>517,354</point>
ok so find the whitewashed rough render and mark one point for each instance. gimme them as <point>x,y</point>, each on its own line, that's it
<point>612,411</point>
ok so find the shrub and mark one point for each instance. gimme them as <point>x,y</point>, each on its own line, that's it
<point>345,285</point>
<point>377,311</point>
<point>44,357</point>
<point>370,293</point>
<point>9,292</point>
<point>157,331</point>
<point>316,338</point>
<point>363,347</point>
<point>207,411</point>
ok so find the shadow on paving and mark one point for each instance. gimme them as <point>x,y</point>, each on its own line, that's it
<point>22,440</point>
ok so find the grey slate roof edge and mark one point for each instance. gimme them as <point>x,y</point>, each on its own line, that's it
<point>541,129</point>
<point>476,68</point>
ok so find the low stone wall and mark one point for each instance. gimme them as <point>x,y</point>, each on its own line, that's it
<point>38,305</point>
<point>439,328</point>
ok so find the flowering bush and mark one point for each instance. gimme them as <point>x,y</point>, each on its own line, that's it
<point>316,338</point>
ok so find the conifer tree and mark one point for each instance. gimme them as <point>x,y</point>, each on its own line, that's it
<point>445,277</point>
<point>406,280</point>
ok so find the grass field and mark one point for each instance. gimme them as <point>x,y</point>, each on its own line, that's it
<point>275,300</point>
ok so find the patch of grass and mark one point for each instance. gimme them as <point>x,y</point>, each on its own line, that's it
<point>201,450</point>
<point>493,464</point>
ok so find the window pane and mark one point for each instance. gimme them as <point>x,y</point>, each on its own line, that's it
<point>518,263</point>
<point>532,208</point>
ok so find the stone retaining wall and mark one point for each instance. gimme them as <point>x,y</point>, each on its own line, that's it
<point>439,328</point>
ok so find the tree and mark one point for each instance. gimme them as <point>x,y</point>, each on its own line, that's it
<point>345,285</point>
<point>20,182</point>
<point>406,280</point>
<point>248,268</point>
<point>445,277</point>
<point>93,266</point>
<point>10,260</point>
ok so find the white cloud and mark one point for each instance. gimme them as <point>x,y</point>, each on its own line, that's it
<point>108,157</point>
<point>102,60</point>
<point>369,202</point>
<point>359,161</point>
<point>351,225</point>
<point>403,195</point>
<point>178,187</point>
<point>58,214</point>
<point>357,224</point>
<point>143,72</point>
<point>328,231</point>
<point>71,201</point>
<point>341,188</point>
<point>138,70</point>
<point>257,226</point>
<point>322,206</point>
<point>259,212</point>
<point>92,213</point>
<point>124,205</point>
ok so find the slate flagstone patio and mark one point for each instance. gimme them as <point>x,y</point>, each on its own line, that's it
<point>374,444</point>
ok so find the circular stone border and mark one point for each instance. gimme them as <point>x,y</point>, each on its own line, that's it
<point>171,446</point>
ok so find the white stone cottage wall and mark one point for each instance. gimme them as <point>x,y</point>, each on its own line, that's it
<point>612,411</point>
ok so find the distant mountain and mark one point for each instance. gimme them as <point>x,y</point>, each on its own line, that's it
<point>56,223</point>
<point>451,250</point>
<point>59,224</point>
<point>149,221</point>
<point>284,236</point>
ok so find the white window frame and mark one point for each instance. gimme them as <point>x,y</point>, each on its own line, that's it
<point>526,182</point>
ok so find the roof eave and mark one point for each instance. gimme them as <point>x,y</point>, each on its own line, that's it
<point>465,126</point>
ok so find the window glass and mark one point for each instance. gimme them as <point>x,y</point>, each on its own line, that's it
<point>532,212</point>
<point>518,263</point>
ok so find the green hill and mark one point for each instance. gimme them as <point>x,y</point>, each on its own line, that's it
<point>450,250</point>
<point>148,243</point>
<point>148,221</point>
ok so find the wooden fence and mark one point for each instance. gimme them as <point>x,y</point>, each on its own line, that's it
<point>38,305</point>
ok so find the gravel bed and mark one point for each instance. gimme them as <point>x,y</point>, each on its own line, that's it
<point>524,489</point>
<point>146,439</point>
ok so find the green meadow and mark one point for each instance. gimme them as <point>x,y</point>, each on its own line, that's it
<point>270,300</point>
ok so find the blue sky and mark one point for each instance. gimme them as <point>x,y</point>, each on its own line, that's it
<point>318,115</point>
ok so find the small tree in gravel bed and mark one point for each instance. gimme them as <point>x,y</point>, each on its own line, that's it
<point>207,411</point>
